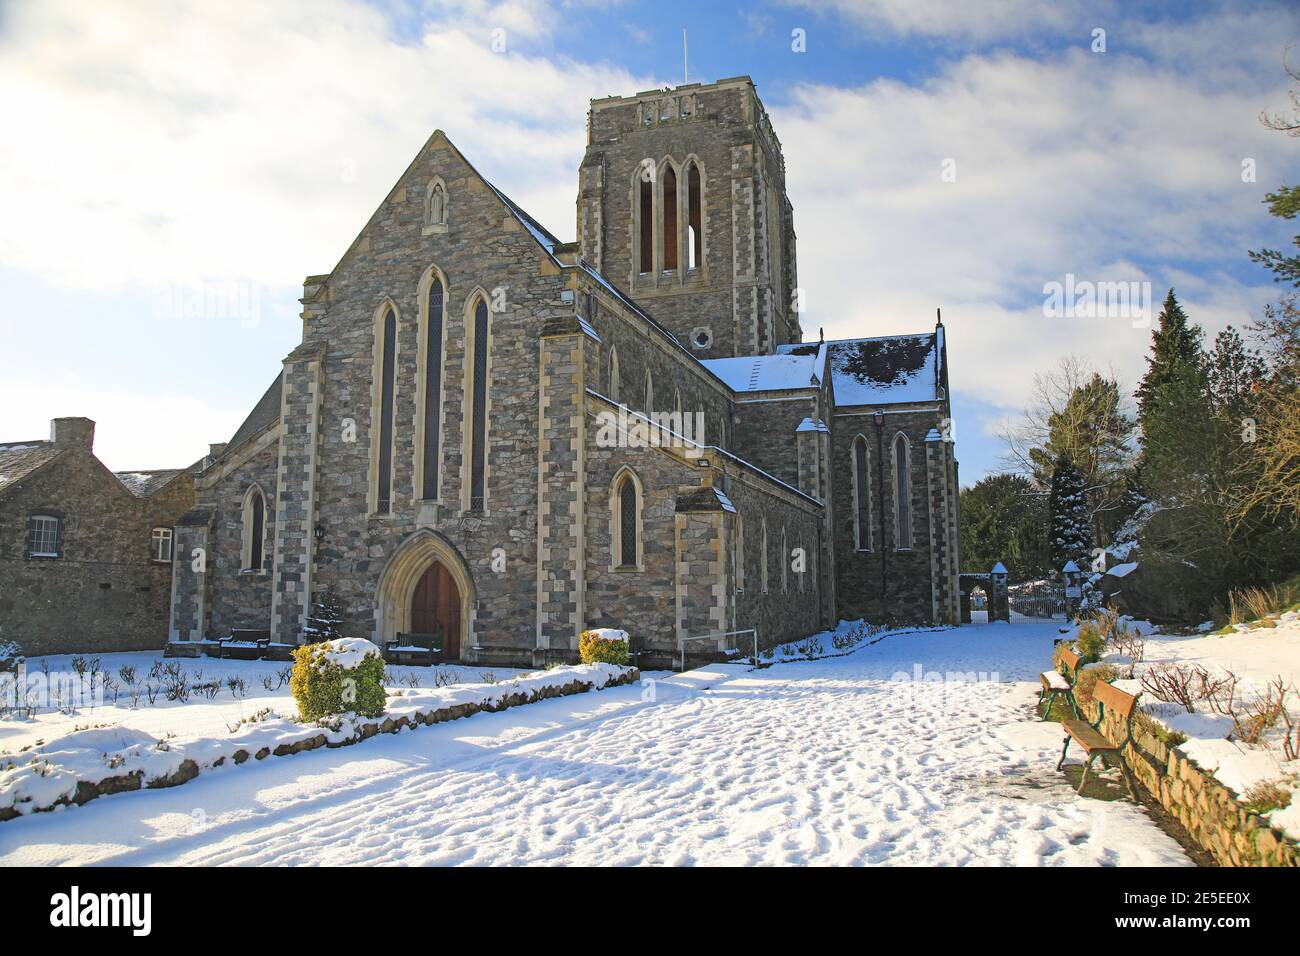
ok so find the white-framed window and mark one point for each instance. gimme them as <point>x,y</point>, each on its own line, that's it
<point>160,545</point>
<point>43,536</point>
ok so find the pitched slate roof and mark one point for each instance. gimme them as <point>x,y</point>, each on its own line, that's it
<point>266,411</point>
<point>768,373</point>
<point>20,458</point>
<point>884,370</point>
<point>146,484</point>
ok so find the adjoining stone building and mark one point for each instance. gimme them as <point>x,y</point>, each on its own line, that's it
<point>85,554</point>
<point>505,439</point>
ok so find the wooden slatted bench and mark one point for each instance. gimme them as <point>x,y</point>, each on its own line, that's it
<point>1096,744</point>
<point>256,641</point>
<point>408,648</point>
<point>1058,684</point>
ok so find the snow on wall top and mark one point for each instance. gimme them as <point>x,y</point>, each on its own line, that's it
<point>879,371</point>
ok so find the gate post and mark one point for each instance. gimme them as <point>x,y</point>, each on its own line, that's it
<point>999,602</point>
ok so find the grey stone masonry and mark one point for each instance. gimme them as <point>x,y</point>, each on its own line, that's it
<point>295,512</point>
<point>740,289</point>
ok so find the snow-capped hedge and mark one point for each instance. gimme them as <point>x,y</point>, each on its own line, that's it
<point>86,764</point>
<point>338,677</point>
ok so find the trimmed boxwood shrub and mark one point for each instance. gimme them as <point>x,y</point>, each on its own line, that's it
<point>603,646</point>
<point>338,677</point>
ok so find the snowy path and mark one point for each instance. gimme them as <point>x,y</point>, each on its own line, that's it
<point>826,762</point>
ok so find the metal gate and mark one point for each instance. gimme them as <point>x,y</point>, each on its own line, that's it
<point>1044,599</point>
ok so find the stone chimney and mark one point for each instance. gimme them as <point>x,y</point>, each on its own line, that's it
<point>216,448</point>
<point>73,432</point>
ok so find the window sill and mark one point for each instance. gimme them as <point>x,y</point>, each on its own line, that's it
<point>627,569</point>
<point>255,572</point>
<point>44,556</point>
<point>435,229</point>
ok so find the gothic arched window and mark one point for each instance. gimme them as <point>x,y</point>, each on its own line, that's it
<point>646,203</point>
<point>254,529</point>
<point>613,375</point>
<point>387,359</point>
<point>694,218</point>
<point>670,219</point>
<point>478,409</point>
<point>625,526</point>
<point>861,495</point>
<point>902,495</point>
<point>433,327</point>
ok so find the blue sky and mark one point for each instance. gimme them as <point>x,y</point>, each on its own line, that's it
<point>167,183</point>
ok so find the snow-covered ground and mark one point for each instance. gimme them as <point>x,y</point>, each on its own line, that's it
<point>850,759</point>
<point>198,716</point>
<point>1257,656</point>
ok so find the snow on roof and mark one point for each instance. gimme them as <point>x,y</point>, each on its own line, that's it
<point>142,484</point>
<point>812,425</point>
<point>884,370</point>
<point>765,373</point>
<point>1123,570</point>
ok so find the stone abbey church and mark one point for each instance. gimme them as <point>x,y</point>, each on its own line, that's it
<point>504,439</point>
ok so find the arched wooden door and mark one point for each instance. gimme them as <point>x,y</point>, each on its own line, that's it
<point>435,609</point>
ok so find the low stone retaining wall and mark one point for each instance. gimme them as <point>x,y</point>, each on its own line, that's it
<point>364,728</point>
<point>1209,811</point>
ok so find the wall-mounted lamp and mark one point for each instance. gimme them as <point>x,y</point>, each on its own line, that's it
<point>879,417</point>
<point>319,533</point>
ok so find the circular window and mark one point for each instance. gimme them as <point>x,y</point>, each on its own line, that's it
<point>702,338</point>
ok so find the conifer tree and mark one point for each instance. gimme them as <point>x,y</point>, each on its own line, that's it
<point>325,623</point>
<point>1070,534</point>
<point>1175,348</point>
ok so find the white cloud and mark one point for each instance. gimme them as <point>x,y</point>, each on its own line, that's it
<point>1112,168</point>
<point>251,141</point>
<point>943,18</point>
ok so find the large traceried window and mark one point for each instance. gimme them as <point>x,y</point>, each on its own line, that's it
<point>478,409</point>
<point>43,536</point>
<point>861,495</point>
<point>433,330</point>
<point>387,349</point>
<point>254,529</point>
<point>160,545</point>
<point>902,495</point>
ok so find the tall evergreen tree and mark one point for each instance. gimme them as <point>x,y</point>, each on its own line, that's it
<point>1070,533</point>
<point>1175,345</point>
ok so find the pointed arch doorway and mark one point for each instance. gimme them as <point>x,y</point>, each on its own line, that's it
<point>435,609</point>
<point>427,563</point>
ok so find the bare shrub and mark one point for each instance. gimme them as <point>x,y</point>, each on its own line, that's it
<point>1184,685</point>
<point>445,678</point>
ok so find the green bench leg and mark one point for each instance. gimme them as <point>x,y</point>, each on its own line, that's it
<point>1086,767</point>
<point>1047,708</point>
<point>1060,763</point>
